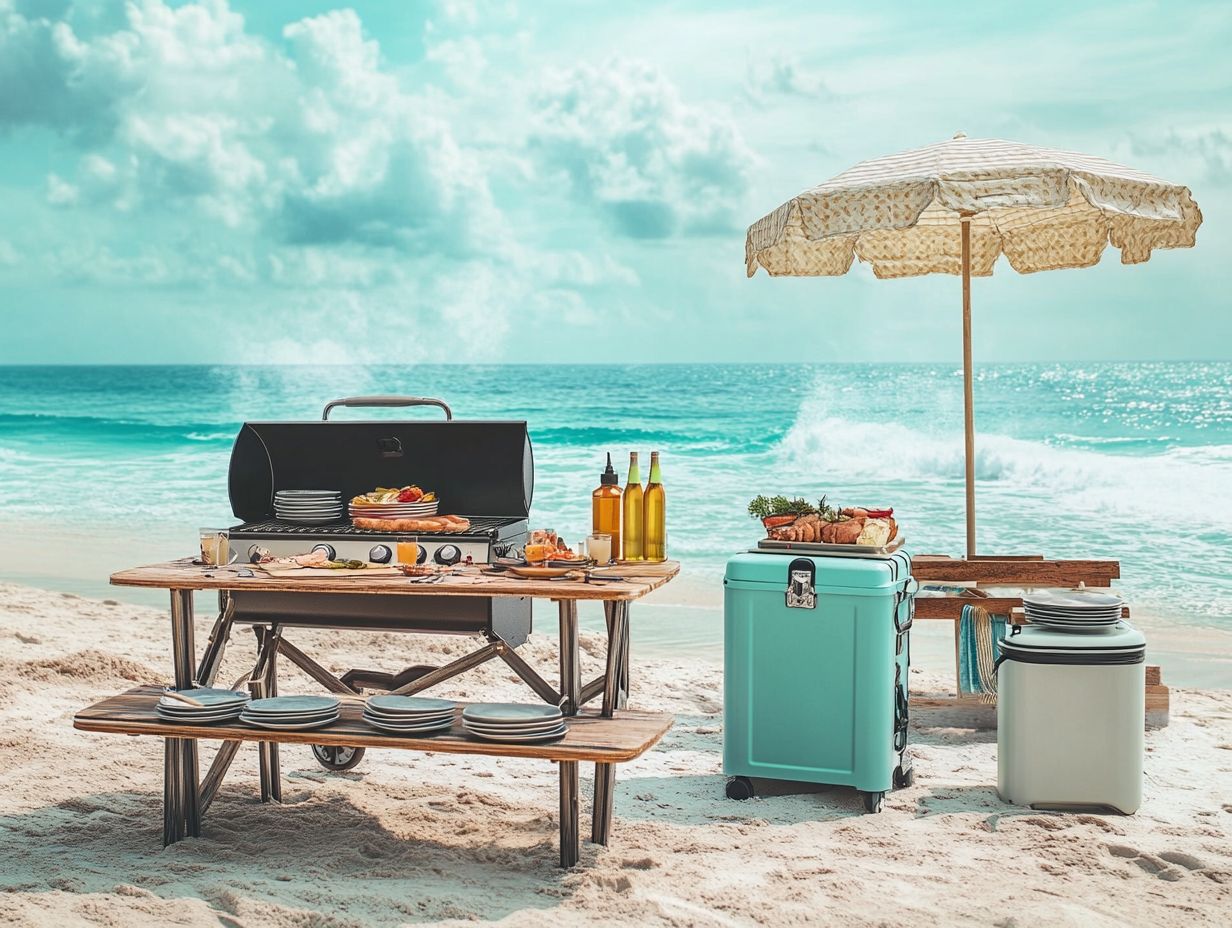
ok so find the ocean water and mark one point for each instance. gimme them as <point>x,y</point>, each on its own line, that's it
<point>1125,460</point>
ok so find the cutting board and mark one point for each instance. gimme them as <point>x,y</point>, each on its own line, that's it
<point>371,573</point>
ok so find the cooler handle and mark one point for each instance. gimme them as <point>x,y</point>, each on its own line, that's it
<point>388,401</point>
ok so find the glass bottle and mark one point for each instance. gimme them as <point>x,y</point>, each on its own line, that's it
<point>605,506</point>
<point>632,530</point>
<point>654,518</point>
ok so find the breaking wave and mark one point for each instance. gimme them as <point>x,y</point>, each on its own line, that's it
<point>1158,484</point>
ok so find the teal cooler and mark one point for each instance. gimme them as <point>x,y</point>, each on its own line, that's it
<point>816,655</point>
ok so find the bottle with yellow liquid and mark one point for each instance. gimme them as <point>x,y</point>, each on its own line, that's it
<point>605,506</point>
<point>631,536</point>
<point>654,515</point>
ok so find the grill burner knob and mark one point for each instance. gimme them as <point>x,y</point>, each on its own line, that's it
<point>380,554</point>
<point>422,555</point>
<point>448,554</point>
<point>328,549</point>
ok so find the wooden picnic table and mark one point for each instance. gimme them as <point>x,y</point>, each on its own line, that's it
<point>186,795</point>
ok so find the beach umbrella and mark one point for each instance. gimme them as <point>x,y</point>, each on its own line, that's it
<point>955,207</point>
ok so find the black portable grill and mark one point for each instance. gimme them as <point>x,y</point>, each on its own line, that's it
<point>483,470</point>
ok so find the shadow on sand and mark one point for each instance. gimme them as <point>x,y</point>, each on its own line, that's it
<point>313,853</point>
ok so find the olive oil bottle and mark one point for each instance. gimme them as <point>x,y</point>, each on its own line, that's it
<point>631,537</point>
<point>654,515</point>
<point>605,506</point>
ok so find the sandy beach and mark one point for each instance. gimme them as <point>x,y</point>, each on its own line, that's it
<point>447,840</point>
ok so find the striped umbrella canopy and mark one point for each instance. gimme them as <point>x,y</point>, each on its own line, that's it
<point>957,206</point>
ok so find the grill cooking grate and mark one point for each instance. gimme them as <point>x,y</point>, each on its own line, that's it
<point>487,527</point>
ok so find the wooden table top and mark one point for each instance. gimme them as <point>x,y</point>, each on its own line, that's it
<point>625,736</point>
<point>467,581</point>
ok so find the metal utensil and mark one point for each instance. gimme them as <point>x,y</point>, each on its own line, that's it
<point>187,700</point>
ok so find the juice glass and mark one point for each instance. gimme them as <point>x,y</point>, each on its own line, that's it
<point>215,547</point>
<point>408,551</point>
<point>599,547</point>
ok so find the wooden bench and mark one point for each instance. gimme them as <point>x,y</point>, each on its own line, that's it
<point>625,736</point>
<point>1023,571</point>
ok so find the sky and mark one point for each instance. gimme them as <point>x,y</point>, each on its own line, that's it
<point>295,181</point>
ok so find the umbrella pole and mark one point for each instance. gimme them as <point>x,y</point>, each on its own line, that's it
<point>968,394</point>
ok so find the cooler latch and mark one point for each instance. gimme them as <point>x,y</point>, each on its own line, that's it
<point>802,584</point>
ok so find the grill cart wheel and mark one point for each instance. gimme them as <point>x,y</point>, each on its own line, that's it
<point>872,801</point>
<point>903,778</point>
<point>739,788</point>
<point>332,757</point>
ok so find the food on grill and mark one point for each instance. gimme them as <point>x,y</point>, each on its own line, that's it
<point>447,524</point>
<point>407,494</point>
<point>798,520</point>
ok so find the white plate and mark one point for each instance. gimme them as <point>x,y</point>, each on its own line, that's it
<point>288,726</point>
<point>391,703</point>
<point>552,735</point>
<point>1073,599</point>
<point>210,696</point>
<point>289,705</point>
<point>308,494</point>
<point>280,507</point>
<point>512,729</point>
<point>408,729</point>
<point>395,719</point>
<point>201,717</point>
<point>190,711</point>
<point>513,713</point>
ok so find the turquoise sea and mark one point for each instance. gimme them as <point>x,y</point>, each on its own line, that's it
<point>1126,460</point>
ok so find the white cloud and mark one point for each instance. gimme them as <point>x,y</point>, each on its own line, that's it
<point>1191,154</point>
<point>60,192</point>
<point>652,163</point>
<point>182,107</point>
<point>782,76</point>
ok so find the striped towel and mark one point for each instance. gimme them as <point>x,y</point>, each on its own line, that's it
<point>978,634</point>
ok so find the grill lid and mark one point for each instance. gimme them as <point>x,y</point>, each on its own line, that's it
<point>476,468</point>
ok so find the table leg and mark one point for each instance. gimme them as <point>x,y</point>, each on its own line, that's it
<point>569,847</point>
<point>570,661</point>
<point>265,684</point>
<point>182,818</point>
<point>617,615</point>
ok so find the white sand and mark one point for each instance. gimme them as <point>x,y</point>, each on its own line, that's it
<point>443,839</point>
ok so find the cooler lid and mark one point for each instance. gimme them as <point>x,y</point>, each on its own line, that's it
<point>880,573</point>
<point>1121,643</point>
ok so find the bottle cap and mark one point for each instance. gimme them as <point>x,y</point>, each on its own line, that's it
<point>608,478</point>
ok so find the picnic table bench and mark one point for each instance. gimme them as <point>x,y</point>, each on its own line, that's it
<point>591,738</point>
<point>607,736</point>
<point>979,573</point>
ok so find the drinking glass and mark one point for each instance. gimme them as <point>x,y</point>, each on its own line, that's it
<point>599,547</point>
<point>408,550</point>
<point>215,547</point>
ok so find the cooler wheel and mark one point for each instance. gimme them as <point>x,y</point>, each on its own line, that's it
<point>739,788</point>
<point>903,778</point>
<point>872,801</point>
<point>333,757</point>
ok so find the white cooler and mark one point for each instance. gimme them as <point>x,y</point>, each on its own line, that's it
<point>1070,716</point>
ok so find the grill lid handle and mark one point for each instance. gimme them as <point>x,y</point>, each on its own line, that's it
<point>388,401</point>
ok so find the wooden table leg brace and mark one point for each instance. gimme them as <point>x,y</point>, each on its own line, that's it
<point>185,801</point>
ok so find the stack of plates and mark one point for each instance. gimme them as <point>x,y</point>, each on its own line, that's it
<point>514,722</point>
<point>217,706</point>
<point>409,715</point>
<point>312,507</point>
<point>393,510</point>
<point>1072,610</point>
<point>291,713</point>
